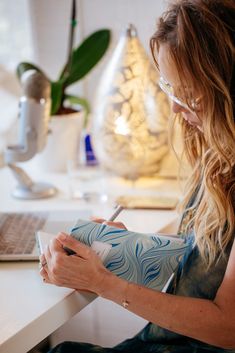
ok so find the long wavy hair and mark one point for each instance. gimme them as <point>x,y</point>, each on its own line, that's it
<point>200,35</point>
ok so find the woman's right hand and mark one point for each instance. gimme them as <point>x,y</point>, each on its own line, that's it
<point>83,270</point>
<point>112,224</point>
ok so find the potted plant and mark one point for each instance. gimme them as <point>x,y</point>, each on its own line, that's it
<point>66,120</point>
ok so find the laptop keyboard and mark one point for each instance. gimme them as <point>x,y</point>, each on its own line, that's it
<point>17,231</point>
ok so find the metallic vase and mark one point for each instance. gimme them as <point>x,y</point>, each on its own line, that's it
<point>130,113</point>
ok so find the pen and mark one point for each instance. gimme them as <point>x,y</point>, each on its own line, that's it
<point>116,213</point>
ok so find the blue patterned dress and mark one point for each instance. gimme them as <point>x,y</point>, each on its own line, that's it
<point>190,280</point>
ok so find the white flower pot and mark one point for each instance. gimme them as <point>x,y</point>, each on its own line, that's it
<point>62,144</point>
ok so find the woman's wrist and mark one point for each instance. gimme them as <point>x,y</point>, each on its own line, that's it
<point>112,287</point>
<point>105,281</point>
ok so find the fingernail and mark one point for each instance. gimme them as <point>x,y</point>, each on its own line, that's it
<point>62,236</point>
<point>105,222</point>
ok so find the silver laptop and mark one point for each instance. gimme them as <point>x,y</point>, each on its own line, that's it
<point>17,231</point>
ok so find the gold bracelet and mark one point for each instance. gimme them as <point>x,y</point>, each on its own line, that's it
<point>125,302</point>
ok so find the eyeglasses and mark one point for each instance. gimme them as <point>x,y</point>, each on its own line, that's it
<point>168,89</point>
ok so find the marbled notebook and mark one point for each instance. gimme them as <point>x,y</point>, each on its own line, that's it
<point>147,259</point>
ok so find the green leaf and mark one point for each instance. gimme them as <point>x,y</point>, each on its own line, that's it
<point>86,56</point>
<point>25,66</point>
<point>56,96</point>
<point>81,101</point>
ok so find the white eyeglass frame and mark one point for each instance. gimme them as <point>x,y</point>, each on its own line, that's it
<point>166,88</point>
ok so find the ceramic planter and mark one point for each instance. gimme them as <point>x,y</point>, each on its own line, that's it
<point>62,143</point>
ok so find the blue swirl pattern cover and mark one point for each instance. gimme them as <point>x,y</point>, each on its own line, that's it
<point>145,259</point>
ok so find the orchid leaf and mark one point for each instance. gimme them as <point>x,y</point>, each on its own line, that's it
<point>56,96</point>
<point>86,56</point>
<point>73,100</point>
<point>25,66</point>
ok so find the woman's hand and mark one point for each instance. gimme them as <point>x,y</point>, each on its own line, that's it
<point>112,224</point>
<point>82,271</point>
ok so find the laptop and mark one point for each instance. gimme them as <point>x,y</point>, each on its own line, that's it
<point>18,229</point>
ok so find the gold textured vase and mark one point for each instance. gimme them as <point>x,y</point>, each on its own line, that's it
<point>130,112</point>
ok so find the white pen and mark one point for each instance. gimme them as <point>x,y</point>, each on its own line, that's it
<point>116,213</point>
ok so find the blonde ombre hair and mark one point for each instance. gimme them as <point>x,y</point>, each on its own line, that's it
<point>200,35</point>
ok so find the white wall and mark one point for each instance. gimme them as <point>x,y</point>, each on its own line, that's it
<point>50,26</point>
<point>15,43</point>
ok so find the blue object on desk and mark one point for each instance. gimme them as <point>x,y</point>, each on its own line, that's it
<point>89,152</point>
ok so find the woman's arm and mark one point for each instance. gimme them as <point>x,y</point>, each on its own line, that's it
<point>212,322</point>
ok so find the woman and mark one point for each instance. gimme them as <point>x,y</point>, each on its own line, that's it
<point>194,49</point>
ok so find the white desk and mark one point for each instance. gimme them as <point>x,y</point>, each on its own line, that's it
<point>31,310</point>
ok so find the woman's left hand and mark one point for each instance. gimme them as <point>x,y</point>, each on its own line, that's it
<point>82,271</point>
